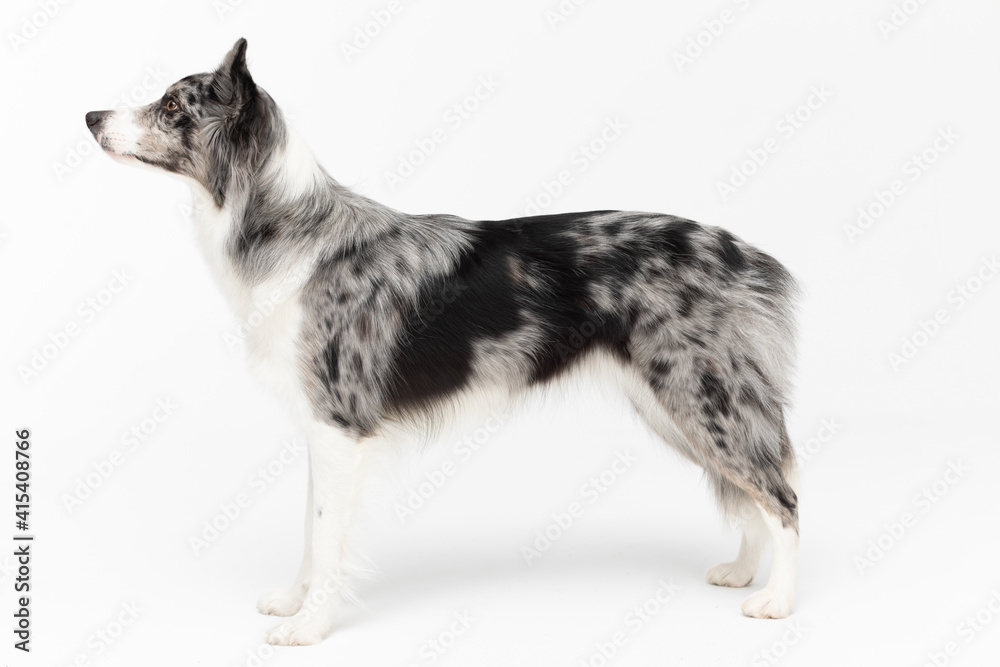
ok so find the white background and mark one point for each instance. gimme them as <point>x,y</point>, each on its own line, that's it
<point>73,218</point>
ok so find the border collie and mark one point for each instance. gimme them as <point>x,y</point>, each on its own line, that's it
<point>390,321</point>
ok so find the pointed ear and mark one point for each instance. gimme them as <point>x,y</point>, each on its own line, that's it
<point>232,80</point>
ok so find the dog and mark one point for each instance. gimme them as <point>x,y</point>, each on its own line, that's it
<point>389,322</point>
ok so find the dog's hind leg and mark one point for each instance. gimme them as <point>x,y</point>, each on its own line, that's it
<point>732,425</point>
<point>338,465</point>
<point>758,487</point>
<point>287,602</point>
<point>760,526</point>
<point>777,598</point>
<point>754,537</point>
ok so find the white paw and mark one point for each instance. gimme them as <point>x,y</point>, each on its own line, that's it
<point>300,630</point>
<point>282,603</point>
<point>769,603</point>
<point>729,574</point>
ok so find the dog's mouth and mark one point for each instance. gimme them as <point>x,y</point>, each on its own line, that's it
<point>129,158</point>
<point>110,139</point>
<point>119,157</point>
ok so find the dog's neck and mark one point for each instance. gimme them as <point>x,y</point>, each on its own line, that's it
<point>289,175</point>
<point>270,231</point>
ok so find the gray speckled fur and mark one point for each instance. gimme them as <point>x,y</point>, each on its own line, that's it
<point>699,316</point>
<point>401,315</point>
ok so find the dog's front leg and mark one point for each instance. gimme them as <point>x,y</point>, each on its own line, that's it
<point>337,466</point>
<point>287,602</point>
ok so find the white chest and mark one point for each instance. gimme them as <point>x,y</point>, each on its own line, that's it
<point>269,314</point>
<point>272,332</point>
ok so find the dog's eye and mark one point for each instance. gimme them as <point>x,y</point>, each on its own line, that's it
<point>171,105</point>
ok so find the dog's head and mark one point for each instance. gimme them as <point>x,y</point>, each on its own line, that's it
<point>216,128</point>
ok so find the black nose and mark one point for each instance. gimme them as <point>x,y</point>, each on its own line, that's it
<point>94,118</point>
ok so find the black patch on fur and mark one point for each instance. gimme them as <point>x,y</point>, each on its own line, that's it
<point>695,340</point>
<point>774,279</point>
<point>435,356</point>
<point>674,238</point>
<point>331,362</point>
<point>749,397</point>
<point>689,296</point>
<point>254,233</point>
<point>730,254</point>
<point>661,367</point>
<point>267,224</point>
<point>716,397</point>
<point>657,373</point>
<point>785,496</point>
<point>734,362</point>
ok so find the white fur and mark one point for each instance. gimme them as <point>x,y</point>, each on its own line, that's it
<point>740,572</point>
<point>121,132</point>
<point>296,168</point>
<point>271,315</point>
<point>269,312</point>
<point>338,466</point>
<point>777,598</point>
<point>288,602</point>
